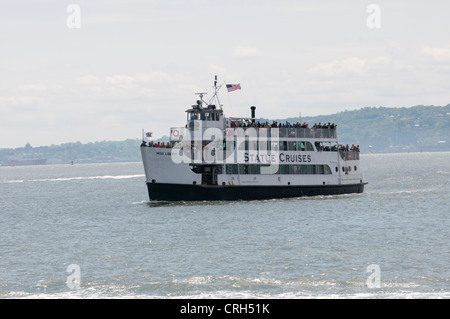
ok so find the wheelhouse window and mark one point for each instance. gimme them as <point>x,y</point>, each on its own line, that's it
<point>193,116</point>
<point>203,116</point>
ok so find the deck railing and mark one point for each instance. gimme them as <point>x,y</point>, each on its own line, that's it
<point>349,155</point>
<point>289,132</point>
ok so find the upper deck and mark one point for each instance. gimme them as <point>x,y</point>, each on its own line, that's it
<point>292,132</point>
<point>266,132</point>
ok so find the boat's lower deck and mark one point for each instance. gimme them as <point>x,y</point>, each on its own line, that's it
<point>191,192</point>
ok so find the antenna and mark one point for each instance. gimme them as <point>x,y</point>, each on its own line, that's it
<point>199,102</point>
<point>216,90</point>
<point>201,94</point>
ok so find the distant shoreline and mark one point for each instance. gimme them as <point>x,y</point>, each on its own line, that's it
<point>140,161</point>
<point>379,130</point>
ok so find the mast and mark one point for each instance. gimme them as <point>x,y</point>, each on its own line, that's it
<point>216,90</point>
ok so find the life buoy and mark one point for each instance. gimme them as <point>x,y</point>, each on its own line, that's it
<point>228,132</point>
<point>175,133</point>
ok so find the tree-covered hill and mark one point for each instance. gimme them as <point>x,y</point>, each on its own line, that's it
<point>417,128</point>
<point>105,151</point>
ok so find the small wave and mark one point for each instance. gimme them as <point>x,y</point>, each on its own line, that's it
<point>428,190</point>
<point>76,178</point>
<point>157,203</point>
<point>124,293</point>
<point>140,202</point>
<point>233,287</point>
<point>13,181</point>
<point>86,178</point>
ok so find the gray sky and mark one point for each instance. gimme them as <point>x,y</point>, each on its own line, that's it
<point>134,65</point>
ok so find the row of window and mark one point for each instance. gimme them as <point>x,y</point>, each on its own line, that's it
<point>282,169</point>
<point>277,146</point>
<point>347,169</point>
<point>203,116</point>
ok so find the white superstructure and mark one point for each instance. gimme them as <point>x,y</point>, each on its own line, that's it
<point>218,158</point>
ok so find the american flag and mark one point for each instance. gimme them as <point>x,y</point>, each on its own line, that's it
<point>233,87</point>
<point>148,134</point>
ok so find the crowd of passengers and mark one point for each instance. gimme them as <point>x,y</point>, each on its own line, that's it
<point>319,146</point>
<point>275,124</point>
<point>158,144</point>
<point>335,148</point>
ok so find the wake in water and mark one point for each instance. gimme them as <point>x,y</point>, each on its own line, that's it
<point>413,191</point>
<point>154,203</point>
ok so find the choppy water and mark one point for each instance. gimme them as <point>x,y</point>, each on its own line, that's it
<point>98,218</point>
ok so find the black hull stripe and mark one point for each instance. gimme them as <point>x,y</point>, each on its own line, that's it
<point>183,192</point>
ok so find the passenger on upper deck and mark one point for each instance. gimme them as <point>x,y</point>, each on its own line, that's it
<point>346,148</point>
<point>248,123</point>
<point>158,144</point>
<point>320,146</point>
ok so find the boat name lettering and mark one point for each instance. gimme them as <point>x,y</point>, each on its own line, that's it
<point>271,158</point>
<point>260,158</point>
<point>295,158</point>
<point>163,153</point>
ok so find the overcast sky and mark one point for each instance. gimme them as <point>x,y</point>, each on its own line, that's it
<point>120,66</point>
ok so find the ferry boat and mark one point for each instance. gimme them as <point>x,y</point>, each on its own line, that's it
<point>214,157</point>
